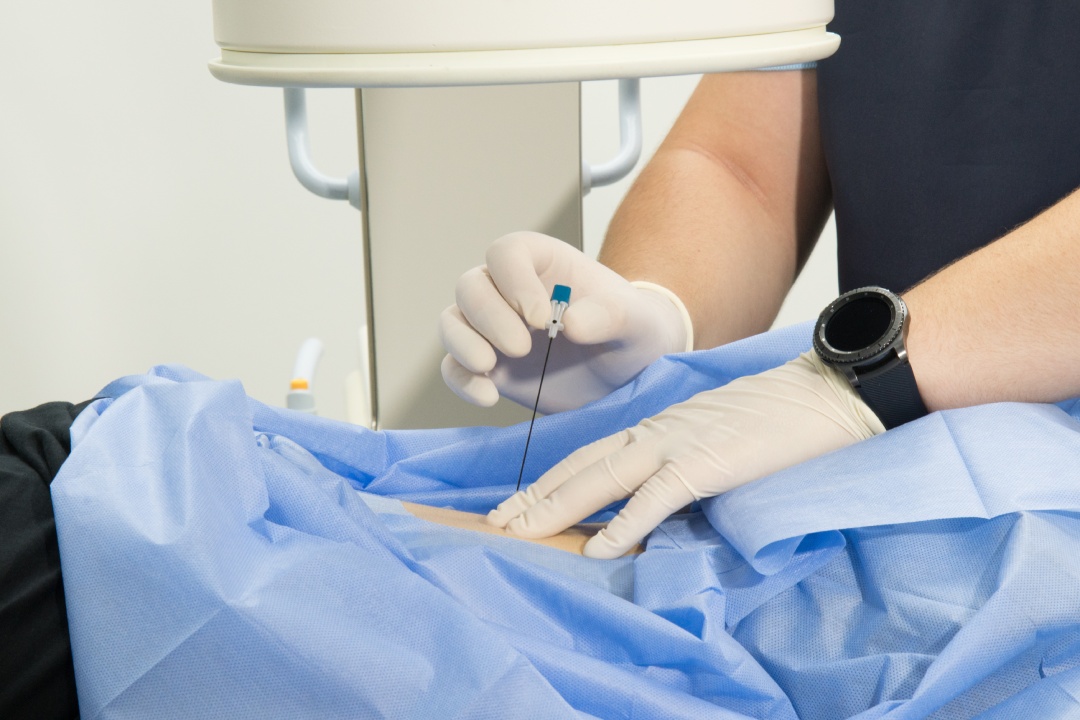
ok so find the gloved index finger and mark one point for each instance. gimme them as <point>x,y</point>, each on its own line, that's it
<point>512,262</point>
<point>489,313</point>
<point>517,504</point>
<point>618,468</point>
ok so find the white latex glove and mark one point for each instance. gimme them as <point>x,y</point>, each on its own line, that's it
<point>713,442</point>
<point>495,338</point>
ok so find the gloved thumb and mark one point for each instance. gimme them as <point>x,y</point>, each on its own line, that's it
<point>596,318</point>
<point>641,310</point>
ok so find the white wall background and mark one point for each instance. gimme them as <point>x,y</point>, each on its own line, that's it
<point>148,214</point>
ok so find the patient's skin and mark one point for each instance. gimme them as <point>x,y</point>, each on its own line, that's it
<point>571,540</point>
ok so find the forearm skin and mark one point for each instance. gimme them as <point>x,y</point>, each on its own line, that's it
<point>727,210</point>
<point>1003,323</point>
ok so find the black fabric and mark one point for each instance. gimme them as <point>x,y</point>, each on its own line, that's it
<point>37,678</point>
<point>945,123</point>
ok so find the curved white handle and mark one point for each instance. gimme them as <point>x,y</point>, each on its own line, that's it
<point>296,134</point>
<point>629,141</point>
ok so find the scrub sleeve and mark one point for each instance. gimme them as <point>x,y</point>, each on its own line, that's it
<point>945,125</point>
<point>37,676</point>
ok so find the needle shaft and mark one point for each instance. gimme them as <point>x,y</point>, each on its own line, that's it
<point>535,406</point>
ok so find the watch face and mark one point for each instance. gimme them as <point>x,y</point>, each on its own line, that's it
<point>859,324</point>
<point>862,335</point>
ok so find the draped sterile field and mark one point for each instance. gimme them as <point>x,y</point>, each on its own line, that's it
<point>223,558</point>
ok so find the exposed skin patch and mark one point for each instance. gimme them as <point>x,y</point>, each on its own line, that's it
<point>570,540</point>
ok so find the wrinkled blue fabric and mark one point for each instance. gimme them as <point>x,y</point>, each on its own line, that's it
<point>223,558</point>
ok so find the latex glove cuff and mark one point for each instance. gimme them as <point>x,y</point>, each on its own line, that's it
<point>684,314</point>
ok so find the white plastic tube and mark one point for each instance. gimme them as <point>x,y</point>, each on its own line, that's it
<point>301,395</point>
<point>307,360</point>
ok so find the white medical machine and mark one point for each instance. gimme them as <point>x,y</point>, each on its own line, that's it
<point>468,122</point>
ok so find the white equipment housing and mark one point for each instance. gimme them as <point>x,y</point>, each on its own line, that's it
<point>409,43</point>
<point>445,169</point>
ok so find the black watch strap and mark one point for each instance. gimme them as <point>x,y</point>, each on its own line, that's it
<point>892,394</point>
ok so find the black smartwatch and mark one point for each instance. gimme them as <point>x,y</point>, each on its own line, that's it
<point>862,334</point>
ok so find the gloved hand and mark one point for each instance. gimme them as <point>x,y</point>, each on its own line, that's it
<point>495,339</point>
<point>713,442</point>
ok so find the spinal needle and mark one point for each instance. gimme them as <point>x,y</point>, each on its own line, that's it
<point>560,300</point>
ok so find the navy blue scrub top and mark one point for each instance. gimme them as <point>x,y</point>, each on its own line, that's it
<point>945,124</point>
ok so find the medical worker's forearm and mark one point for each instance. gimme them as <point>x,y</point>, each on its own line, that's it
<point>1003,323</point>
<point>729,207</point>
